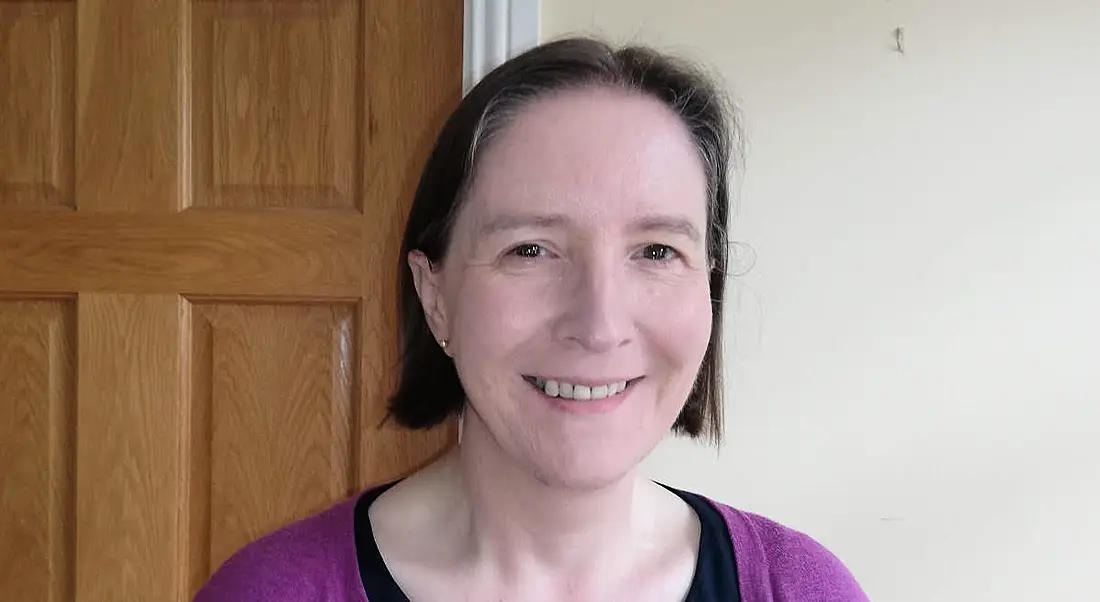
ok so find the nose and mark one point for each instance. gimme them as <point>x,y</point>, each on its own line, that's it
<point>596,307</point>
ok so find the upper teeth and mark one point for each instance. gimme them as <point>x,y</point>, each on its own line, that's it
<point>556,388</point>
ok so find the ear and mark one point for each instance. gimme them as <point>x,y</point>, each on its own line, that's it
<point>429,289</point>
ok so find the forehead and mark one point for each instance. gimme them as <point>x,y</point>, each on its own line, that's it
<point>596,152</point>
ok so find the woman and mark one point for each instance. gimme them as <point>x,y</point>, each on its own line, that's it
<point>566,260</point>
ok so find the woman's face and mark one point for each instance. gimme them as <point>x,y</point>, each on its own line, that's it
<point>574,293</point>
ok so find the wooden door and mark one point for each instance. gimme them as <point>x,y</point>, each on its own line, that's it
<point>201,204</point>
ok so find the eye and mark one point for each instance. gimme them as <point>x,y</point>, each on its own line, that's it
<point>659,253</point>
<point>528,251</point>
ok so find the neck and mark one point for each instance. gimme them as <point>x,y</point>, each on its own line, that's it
<point>519,522</point>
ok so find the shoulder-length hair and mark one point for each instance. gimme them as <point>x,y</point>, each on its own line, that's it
<point>429,390</point>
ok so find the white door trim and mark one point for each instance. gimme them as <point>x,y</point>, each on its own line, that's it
<point>494,31</point>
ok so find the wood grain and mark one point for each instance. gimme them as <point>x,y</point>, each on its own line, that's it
<point>273,254</point>
<point>274,384</point>
<point>36,450</point>
<point>403,116</point>
<point>129,108</point>
<point>233,178</point>
<point>36,104</point>
<point>129,419</point>
<point>275,101</point>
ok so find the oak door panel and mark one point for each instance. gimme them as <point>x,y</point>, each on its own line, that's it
<point>201,204</point>
<point>37,396</point>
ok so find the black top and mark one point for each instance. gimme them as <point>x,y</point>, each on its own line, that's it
<point>715,577</point>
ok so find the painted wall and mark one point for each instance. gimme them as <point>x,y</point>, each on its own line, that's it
<point>914,360</point>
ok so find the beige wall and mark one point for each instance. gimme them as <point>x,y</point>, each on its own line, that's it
<point>915,365</point>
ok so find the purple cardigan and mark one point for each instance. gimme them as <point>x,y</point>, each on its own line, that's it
<point>315,560</point>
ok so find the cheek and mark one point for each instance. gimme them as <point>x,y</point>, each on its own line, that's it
<point>681,321</point>
<point>491,317</point>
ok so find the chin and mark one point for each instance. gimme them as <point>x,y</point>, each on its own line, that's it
<point>583,474</point>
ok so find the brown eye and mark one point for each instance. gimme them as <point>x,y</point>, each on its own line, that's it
<point>528,251</point>
<point>657,252</point>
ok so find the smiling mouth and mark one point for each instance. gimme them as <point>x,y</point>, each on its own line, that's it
<point>566,390</point>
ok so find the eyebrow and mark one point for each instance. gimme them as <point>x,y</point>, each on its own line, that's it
<point>675,225</point>
<point>652,223</point>
<point>513,221</point>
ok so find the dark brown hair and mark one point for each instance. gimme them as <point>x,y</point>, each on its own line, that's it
<point>429,390</point>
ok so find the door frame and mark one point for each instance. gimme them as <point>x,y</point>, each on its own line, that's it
<point>494,31</point>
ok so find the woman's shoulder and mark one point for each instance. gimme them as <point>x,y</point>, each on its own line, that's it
<point>780,563</point>
<point>310,559</point>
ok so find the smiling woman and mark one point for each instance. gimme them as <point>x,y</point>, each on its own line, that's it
<point>562,294</point>
<point>563,263</point>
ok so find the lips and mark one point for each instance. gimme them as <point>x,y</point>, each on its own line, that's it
<point>577,391</point>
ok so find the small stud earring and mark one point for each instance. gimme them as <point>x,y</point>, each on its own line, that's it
<point>443,343</point>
